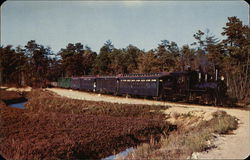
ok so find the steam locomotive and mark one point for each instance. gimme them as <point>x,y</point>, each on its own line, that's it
<point>188,86</point>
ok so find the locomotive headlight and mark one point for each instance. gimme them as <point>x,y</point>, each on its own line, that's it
<point>222,78</point>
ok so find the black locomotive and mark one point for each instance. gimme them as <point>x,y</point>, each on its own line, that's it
<point>189,86</point>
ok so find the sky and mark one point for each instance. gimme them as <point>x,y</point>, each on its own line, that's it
<point>140,23</point>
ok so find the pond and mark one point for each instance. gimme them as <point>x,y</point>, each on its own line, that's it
<point>121,154</point>
<point>18,105</point>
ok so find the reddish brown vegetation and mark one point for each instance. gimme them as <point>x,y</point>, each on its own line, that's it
<point>47,101</point>
<point>53,135</point>
<point>7,95</point>
<point>10,97</point>
<point>63,105</point>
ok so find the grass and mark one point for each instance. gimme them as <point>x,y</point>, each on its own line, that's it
<point>225,123</point>
<point>182,143</point>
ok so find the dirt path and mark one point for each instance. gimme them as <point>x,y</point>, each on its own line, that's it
<point>24,89</point>
<point>235,146</point>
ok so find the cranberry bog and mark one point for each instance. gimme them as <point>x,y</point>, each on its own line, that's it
<point>59,128</point>
<point>53,103</point>
<point>10,97</point>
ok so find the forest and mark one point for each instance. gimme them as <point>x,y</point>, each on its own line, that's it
<point>35,65</point>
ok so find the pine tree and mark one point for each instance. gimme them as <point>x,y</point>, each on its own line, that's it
<point>237,59</point>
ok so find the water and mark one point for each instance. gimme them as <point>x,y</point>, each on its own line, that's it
<point>121,154</point>
<point>18,105</point>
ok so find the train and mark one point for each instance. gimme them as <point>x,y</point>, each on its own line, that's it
<point>187,86</point>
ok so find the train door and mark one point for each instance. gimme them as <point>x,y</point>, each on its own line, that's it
<point>165,86</point>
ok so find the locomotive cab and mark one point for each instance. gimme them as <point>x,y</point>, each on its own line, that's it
<point>174,86</point>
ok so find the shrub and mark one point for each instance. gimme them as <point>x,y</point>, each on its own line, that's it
<point>182,143</point>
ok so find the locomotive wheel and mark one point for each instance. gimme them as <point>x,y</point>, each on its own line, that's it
<point>205,99</point>
<point>191,97</point>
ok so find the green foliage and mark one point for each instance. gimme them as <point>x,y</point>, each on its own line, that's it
<point>236,64</point>
<point>37,63</point>
<point>167,54</point>
<point>118,59</point>
<point>148,63</point>
<point>28,66</point>
<point>112,61</point>
<point>77,60</point>
<point>102,61</point>
<point>132,54</point>
<point>54,69</point>
<point>187,57</point>
<point>11,64</point>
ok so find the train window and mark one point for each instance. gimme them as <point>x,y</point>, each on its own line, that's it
<point>160,80</point>
<point>181,79</point>
<point>153,80</point>
<point>138,80</point>
<point>148,80</point>
<point>143,80</point>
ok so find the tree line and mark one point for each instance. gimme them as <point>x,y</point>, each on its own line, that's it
<point>35,64</point>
